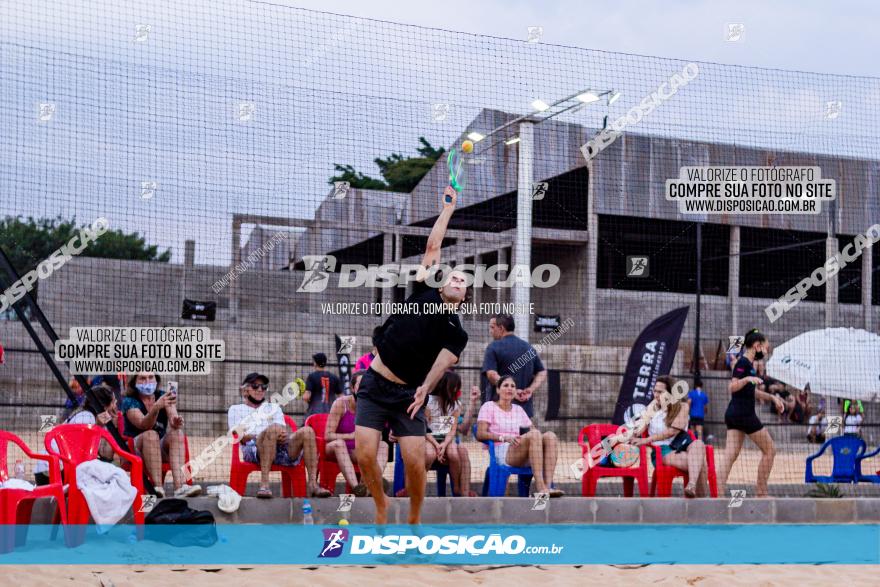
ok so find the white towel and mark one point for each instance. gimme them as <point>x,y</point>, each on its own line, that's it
<point>107,490</point>
<point>17,484</point>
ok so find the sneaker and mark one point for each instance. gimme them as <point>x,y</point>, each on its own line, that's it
<point>188,491</point>
<point>160,492</point>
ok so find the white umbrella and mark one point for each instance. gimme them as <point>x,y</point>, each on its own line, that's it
<point>839,362</point>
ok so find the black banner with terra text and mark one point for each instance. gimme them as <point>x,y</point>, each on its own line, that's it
<point>343,352</point>
<point>651,356</point>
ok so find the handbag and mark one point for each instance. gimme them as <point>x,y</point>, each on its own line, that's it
<point>681,441</point>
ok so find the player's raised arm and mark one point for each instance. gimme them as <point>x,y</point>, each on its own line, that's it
<point>435,239</point>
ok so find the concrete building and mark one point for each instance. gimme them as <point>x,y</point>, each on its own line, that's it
<point>593,214</point>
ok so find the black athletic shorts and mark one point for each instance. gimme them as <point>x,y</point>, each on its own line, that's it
<point>380,401</point>
<point>697,421</point>
<point>748,424</point>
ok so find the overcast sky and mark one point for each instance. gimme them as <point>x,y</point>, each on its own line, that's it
<point>839,37</point>
<point>325,89</point>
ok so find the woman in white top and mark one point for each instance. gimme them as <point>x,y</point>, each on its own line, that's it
<point>852,421</point>
<point>98,408</point>
<point>443,411</point>
<point>666,424</point>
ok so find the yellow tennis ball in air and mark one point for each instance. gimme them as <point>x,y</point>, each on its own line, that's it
<point>343,522</point>
<point>467,146</point>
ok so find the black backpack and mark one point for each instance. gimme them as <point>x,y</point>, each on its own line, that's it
<point>172,521</point>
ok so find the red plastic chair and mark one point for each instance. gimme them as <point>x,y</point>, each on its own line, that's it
<point>166,467</point>
<point>328,470</point>
<point>78,443</point>
<point>630,475</point>
<point>16,504</point>
<point>664,475</point>
<point>293,479</point>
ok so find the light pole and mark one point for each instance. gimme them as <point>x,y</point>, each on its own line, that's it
<point>525,139</point>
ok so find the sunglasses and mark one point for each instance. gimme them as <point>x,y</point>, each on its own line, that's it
<point>262,386</point>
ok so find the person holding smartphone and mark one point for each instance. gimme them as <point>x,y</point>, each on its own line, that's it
<point>740,417</point>
<point>151,418</point>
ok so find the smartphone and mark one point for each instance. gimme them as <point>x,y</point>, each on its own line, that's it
<point>172,388</point>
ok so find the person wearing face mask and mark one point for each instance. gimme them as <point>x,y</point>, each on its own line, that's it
<point>740,417</point>
<point>151,418</point>
<point>266,439</point>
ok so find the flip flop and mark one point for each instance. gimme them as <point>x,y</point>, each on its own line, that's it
<point>360,490</point>
<point>264,493</point>
<point>690,491</point>
<point>321,492</point>
<point>554,492</point>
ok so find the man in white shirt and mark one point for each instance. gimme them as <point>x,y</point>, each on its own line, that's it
<point>266,440</point>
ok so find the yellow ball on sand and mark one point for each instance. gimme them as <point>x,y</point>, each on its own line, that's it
<point>343,522</point>
<point>467,146</point>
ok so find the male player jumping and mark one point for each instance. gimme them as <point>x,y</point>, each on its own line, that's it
<point>414,349</point>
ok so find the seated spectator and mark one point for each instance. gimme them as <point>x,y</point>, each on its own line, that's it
<point>443,412</point>
<point>800,410</point>
<point>267,439</point>
<point>339,436</point>
<point>668,430</point>
<point>151,418</point>
<point>110,381</point>
<point>852,421</point>
<point>466,420</point>
<point>817,427</point>
<point>98,408</point>
<point>846,404</point>
<point>322,387</point>
<point>788,402</point>
<point>517,442</point>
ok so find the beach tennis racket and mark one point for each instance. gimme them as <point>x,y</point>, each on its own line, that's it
<point>455,162</point>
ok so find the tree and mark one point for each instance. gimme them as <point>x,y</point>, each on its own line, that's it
<point>357,179</point>
<point>401,174</point>
<point>28,242</point>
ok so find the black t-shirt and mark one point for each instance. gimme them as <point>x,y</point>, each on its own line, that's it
<point>742,403</point>
<point>325,388</point>
<point>409,342</point>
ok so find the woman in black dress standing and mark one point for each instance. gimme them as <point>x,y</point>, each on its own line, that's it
<point>740,417</point>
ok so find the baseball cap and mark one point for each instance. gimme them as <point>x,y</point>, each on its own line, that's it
<point>251,377</point>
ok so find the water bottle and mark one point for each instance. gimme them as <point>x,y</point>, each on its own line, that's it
<point>19,470</point>
<point>308,520</point>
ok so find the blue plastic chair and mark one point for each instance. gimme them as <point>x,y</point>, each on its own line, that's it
<point>497,475</point>
<point>400,474</point>
<point>847,452</point>
<point>866,478</point>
